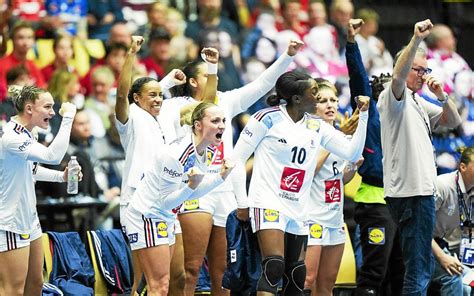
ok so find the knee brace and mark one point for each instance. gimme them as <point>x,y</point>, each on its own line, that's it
<point>272,270</point>
<point>295,275</point>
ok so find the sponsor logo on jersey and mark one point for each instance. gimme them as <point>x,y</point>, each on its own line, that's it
<point>172,173</point>
<point>247,132</point>
<point>271,216</point>
<point>332,191</point>
<point>377,235</point>
<point>190,205</point>
<point>133,238</point>
<point>217,156</point>
<point>25,144</point>
<point>24,236</point>
<point>315,231</point>
<point>313,124</point>
<point>292,179</point>
<point>282,140</point>
<point>161,229</point>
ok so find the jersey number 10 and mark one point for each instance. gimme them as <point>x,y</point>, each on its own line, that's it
<point>299,154</point>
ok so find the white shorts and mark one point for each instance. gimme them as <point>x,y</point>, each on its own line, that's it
<point>218,204</point>
<point>270,219</point>
<point>145,232</point>
<point>320,235</point>
<point>11,241</point>
<point>123,217</point>
<point>177,227</point>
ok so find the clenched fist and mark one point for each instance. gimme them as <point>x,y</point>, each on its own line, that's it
<point>227,167</point>
<point>195,177</point>
<point>137,42</point>
<point>67,107</point>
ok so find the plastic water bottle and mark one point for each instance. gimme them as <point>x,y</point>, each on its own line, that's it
<point>73,176</point>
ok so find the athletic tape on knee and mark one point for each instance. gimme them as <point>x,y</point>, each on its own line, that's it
<point>272,270</point>
<point>296,275</point>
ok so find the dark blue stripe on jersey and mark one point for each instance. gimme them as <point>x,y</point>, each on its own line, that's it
<point>186,155</point>
<point>18,128</point>
<point>185,152</point>
<point>260,115</point>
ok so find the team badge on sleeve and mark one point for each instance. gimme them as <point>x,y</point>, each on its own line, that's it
<point>313,124</point>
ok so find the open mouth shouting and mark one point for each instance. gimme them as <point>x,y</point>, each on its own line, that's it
<point>219,136</point>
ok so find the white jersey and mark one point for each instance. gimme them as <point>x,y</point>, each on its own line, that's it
<point>285,157</point>
<point>327,194</point>
<point>141,137</point>
<point>20,154</point>
<point>167,181</point>
<point>234,102</point>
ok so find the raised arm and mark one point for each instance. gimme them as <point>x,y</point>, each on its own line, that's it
<point>125,80</point>
<point>211,57</point>
<point>350,150</point>
<point>405,60</point>
<point>244,97</point>
<point>54,153</point>
<point>358,79</point>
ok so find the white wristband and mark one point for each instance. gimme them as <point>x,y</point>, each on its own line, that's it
<point>211,68</point>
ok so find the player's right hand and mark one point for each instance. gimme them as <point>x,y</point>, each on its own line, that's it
<point>195,177</point>
<point>67,107</point>
<point>137,42</point>
<point>363,103</point>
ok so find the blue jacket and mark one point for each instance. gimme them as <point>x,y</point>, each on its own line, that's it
<point>243,257</point>
<point>72,270</point>
<point>114,260</point>
<point>372,169</point>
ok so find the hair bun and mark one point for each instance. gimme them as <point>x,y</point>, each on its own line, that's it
<point>273,100</point>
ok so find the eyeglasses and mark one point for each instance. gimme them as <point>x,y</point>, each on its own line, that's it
<point>422,71</point>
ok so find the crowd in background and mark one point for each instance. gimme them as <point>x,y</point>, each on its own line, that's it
<point>250,35</point>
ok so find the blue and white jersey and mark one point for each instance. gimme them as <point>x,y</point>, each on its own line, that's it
<point>164,188</point>
<point>20,155</point>
<point>327,193</point>
<point>285,157</point>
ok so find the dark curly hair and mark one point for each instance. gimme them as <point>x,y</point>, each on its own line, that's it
<point>377,84</point>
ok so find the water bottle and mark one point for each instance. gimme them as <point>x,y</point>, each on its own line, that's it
<point>73,176</point>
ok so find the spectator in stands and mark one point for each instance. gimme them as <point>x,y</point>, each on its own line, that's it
<point>260,42</point>
<point>23,38</point>
<point>119,34</point>
<point>159,55</point>
<point>443,58</point>
<point>291,18</point>
<point>101,15</point>
<point>64,87</point>
<point>376,58</point>
<point>157,13</point>
<point>5,15</point>
<point>114,59</point>
<point>80,146</point>
<point>182,49</point>
<point>20,76</point>
<point>228,74</point>
<point>341,12</point>
<point>409,171</point>
<point>322,58</point>
<point>99,104</point>
<point>62,47</point>
<point>72,14</point>
<point>453,204</point>
<point>317,17</point>
<point>210,18</point>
